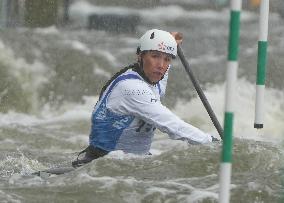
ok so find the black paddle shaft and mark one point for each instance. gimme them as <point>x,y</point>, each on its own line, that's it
<point>200,92</point>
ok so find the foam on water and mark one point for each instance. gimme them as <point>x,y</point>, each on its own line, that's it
<point>13,198</point>
<point>176,171</point>
<point>18,164</point>
<point>108,55</point>
<point>52,30</point>
<point>194,112</point>
<point>101,72</point>
<point>80,10</point>
<point>67,112</point>
<point>178,189</point>
<point>199,195</point>
<point>161,14</point>
<point>71,111</point>
<point>77,45</point>
<point>31,75</point>
<point>14,118</point>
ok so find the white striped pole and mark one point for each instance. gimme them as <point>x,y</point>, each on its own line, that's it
<point>233,49</point>
<point>261,64</point>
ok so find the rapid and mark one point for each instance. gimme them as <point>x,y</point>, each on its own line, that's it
<point>50,79</point>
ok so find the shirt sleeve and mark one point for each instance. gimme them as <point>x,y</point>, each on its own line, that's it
<point>134,97</point>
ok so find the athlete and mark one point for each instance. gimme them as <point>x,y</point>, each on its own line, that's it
<point>129,108</point>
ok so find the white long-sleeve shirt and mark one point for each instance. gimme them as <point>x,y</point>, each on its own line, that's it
<point>130,110</point>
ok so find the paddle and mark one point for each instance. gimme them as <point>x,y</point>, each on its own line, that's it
<point>200,92</point>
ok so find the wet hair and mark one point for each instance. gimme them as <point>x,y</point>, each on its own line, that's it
<point>138,50</point>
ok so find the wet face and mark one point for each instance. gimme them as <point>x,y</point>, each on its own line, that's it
<point>155,64</point>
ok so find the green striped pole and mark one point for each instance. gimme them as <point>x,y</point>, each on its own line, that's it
<point>261,64</point>
<point>226,164</point>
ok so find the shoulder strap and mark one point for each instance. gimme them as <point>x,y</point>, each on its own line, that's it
<point>123,70</point>
<point>118,79</point>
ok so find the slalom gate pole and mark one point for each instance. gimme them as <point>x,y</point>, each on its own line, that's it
<point>261,64</point>
<point>226,162</point>
<point>200,92</point>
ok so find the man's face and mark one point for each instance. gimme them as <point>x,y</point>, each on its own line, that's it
<point>155,64</point>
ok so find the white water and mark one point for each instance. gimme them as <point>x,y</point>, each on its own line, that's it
<point>80,10</point>
<point>191,111</point>
<point>49,136</point>
<point>244,103</point>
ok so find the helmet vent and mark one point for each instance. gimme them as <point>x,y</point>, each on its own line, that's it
<point>152,35</point>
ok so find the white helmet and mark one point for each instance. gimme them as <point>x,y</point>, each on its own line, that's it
<point>158,40</point>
